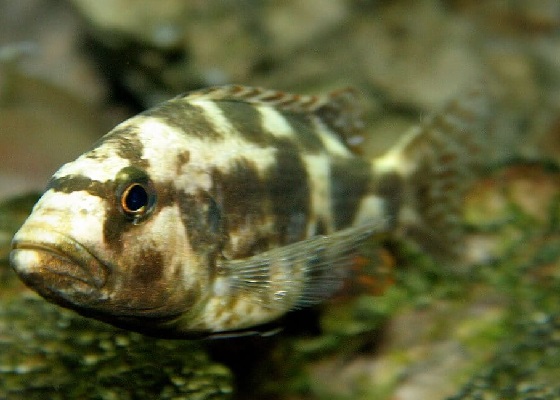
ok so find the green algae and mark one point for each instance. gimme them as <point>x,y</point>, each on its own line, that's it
<point>488,329</point>
<point>526,364</point>
<point>493,328</point>
<point>49,352</point>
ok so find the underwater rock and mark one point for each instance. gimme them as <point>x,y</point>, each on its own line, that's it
<point>503,347</point>
<point>525,368</point>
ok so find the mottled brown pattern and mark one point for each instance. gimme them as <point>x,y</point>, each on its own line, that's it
<point>166,193</point>
<point>342,114</point>
<point>389,186</point>
<point>246,120</point>
<point>248,206</point>
<point>125,142</point>
<point>182,158</point>
<point>287,183</point>
<point>350,181</point>
<point>185,117</point>
<point>75,183</point>
<point>241,195</point>
<point>203,220</point>
<point>150,267</point>
<point>247,199</point>
<point>240,191</point>
<point>115,222</point>
<point>305,136</point>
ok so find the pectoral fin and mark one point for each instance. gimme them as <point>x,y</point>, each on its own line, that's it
<point>302,273</point>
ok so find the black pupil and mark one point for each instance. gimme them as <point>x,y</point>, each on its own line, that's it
<point>136,198</point>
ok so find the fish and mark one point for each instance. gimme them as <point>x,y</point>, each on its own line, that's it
<point>221,210</point>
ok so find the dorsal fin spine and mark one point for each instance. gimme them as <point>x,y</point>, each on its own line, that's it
<point>338,110</point>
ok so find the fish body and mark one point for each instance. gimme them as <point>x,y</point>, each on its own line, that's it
<point>223,209</point>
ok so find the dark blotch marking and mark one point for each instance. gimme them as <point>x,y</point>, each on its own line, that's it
<point>126,143</point>
<point>246,119</point>
<point>115,222</point>
<point>287,184</point>
<point>240,192</point>
<point>241,196</point>
<point>350,181</point>
<point>305,135</point>
<point>241,200</point>
<point>182,158</point>
<point>166,194</point>
<point>321,228</point>
<point>148,268</point>
<point>203,220</point>
<point>114,226</point>
<point>390,187</point>
<point>186,117</point>
<point>77,183</point>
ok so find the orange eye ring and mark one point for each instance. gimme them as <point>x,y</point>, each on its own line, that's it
<point>135,199</point>
<point>136,196</point>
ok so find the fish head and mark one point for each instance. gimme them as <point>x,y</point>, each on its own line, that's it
<point>106,240</point>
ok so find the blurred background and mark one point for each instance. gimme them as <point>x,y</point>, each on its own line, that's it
<point>70,70</point>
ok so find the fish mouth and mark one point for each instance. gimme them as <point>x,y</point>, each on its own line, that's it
<point>58,267</point>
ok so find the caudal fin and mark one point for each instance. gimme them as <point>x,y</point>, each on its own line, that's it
<point>437,162</point>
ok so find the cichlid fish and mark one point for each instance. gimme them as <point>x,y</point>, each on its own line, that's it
<point>223,209</point>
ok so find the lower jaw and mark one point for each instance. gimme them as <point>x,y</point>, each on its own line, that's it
<point>56,278</point>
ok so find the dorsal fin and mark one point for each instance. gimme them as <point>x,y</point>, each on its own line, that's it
<point>338,110</point>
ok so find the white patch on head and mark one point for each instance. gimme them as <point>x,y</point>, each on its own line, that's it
<point>161,143</point>
<point>94,169</point>
<point>62,219</point>
<point>78,214</point>
<point>91,215</point>
<point>274,122</point>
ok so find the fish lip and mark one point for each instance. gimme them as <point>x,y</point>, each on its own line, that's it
<point>90,269</point>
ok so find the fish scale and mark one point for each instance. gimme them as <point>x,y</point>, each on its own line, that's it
<point>223,209</point>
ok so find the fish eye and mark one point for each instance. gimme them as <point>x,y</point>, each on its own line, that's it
<point>134,199</point>
<point>136,193</point>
